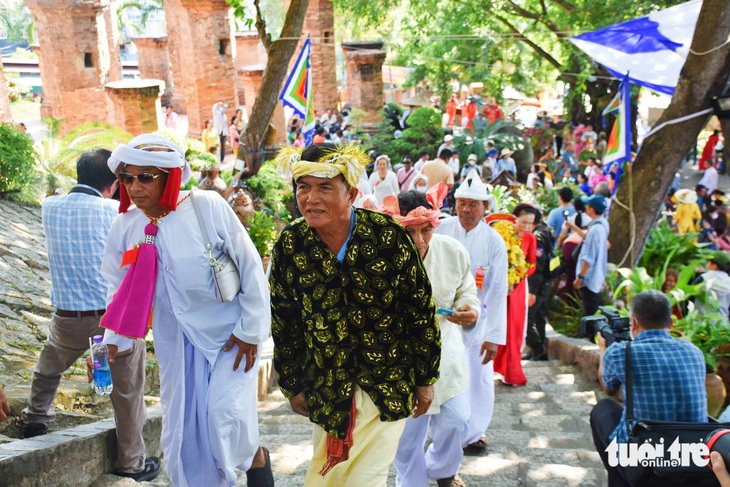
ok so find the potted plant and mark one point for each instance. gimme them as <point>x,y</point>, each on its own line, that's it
<point>710,332</point>
<point>262,231</point>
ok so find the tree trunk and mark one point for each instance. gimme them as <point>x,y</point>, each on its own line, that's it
<point>280,53</point>
<point>702,77</point>
<point>5,114</point>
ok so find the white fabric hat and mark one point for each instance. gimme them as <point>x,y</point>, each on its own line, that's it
<point>472,188</point>
<point>140,151</point>
<point>418,177</point>
<point>448,138</point>
<point>472,157</point>
<point>506,152</point>
<point>686,196</point>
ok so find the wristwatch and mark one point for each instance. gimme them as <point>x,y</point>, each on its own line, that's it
<point>580,276</point>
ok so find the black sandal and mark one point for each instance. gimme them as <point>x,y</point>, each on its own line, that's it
<point>261,476</point>
<point>477,448</point>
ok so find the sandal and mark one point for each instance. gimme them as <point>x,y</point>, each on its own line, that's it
<point>261,476</point>
<point>479,447</point>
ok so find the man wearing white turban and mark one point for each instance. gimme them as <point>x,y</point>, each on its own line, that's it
<point>209,423</point>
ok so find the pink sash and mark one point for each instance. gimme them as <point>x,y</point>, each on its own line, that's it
<point>130,312</point>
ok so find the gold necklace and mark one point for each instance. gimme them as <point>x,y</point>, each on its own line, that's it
<point>155,220</point>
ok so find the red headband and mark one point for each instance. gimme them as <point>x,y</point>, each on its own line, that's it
<point>495,217</point>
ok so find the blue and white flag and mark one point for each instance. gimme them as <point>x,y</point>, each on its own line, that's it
<point>652,48</point>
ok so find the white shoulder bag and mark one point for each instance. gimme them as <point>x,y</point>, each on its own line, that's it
<point>225,273</point>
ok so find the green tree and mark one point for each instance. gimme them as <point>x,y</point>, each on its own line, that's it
<point>17,21</point>
<point>145,9</point>
<point>17,164</point>
<point>279,53</point>
<point>523,44</point>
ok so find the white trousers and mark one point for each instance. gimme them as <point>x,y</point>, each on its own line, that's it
<point>480,395</point>
<point>443,457</point>
<point>209,416</point>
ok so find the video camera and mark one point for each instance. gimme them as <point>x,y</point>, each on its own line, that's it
<point>609,323</point>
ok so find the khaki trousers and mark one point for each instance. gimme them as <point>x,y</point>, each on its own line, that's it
<point>67,341</point>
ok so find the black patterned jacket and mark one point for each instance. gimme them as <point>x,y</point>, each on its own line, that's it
<point>369,321</point>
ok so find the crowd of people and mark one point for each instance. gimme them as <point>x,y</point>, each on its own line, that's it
<point>392,303</point>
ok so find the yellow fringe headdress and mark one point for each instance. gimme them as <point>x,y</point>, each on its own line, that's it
<point>346,159</point>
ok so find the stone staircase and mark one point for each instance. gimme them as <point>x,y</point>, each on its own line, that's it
<point>540,436</point>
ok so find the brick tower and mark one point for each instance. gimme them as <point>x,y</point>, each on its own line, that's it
<point>320,24</point>
<point>202,50</point>
<point>78,55</point>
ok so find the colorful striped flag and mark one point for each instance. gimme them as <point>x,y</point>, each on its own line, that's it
<point>614,105</point>
<point>618,147</point>
<point>298,86</point>
<point>309,121</point>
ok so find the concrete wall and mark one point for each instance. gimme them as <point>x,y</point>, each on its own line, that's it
<point>72,457</point>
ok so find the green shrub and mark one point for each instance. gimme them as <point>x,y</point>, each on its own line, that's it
<point>18,158</point>
<point>423,132</point>
<point>199,160</point>
<point>262,231</point>
<point>663,241</point>
<point>707,331</point>
<point>271,188</point>
<point>58,155</point>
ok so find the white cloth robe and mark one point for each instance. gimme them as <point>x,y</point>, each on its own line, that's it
<point>385,187</point>
<point>190,328</point>
<point>488,251</point>
<point>449,270</point>
<point>448,267</point>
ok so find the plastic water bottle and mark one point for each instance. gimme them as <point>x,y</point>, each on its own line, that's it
<point>102,374</point>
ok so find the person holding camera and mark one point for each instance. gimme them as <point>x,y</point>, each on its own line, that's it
<point>557,216</point>
<point>593,256</point>
<point>668,379</point>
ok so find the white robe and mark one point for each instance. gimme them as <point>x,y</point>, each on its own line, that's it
<point>384,187</point>
<point>209,411</point>
<point>448,268</point>
<point>488,252</point>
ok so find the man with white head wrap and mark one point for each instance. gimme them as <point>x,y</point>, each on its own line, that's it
<point>489,264</point>
<point>209,408</point>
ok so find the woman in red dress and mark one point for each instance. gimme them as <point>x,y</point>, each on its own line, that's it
<point>508,361</point>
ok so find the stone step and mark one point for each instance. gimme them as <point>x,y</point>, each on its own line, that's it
<point>539,436</point>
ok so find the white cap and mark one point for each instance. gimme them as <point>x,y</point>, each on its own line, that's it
<point>472,188</point>
<point>448,138</point>
<point>472,157</point>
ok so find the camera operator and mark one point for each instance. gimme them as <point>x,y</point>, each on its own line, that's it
<point>668,380</point>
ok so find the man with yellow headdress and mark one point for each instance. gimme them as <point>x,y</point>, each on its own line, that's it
<point>357,344</point>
